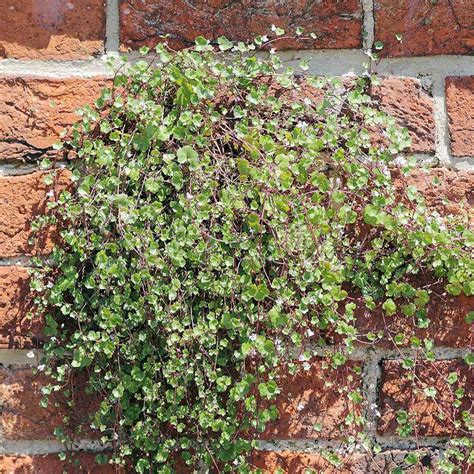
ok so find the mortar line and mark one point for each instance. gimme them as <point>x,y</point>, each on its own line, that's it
<point>321,62</point>
<point>48,446</point>
<point>368,24</point>
<point>18,168</point>
<point>383,353</point>
<point>371,381</point>
<point>19,358</point>
<point>441,120</point>
<point>311,446</point>
<point>20,261</point>
<point>112,28</point>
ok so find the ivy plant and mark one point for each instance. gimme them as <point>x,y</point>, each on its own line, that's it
<point>225,209</point>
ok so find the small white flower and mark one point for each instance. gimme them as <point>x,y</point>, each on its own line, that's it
<point>253,337</point>
<point>41,367</point>
<point>30,355</point>
<point>309,333</point>
<point>189,196</point>
<point>307,101</point>
<point>272,51</point>
<point>302,358</point>
<point>49,284</point>
<point>300,406</point>
<point>50,194</point>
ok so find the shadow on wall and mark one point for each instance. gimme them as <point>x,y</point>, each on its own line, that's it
<point>24,419</point>
<point>48,29</point>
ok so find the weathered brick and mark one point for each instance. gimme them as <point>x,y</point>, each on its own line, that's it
<point>51,29</point>
<point>448,326</point>
<point>336,24</point>
<point>315,397</point>
<point>460,106</point>
<point>402,98</point>
<point>426,27</point>
<point>446,191</point>
<point>294,462</point>
<point>288,461</point>
<point>51,464</point>
<point>412,107</point>
<point>22,199</point>
<point>33,111</point>
<point>17,329</point>
<point>23,418</point>
<point>431,417</point>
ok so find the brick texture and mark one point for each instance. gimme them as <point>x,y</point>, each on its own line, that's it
<point>413,108</point>
<point>317,396</point>
<point>22,199</point>
<point>448,326</point>
<point>336,24</point>
<point>34,111</point>
<point>23,418</point>
<point>313,404</point>
<point>446,191</point>
<point>460,104</point>
<point>294,462</point>
<point>426,27</point>
<point>83,463</point>
<point>15,325</point>
<point>431,417</point>
<point>51,29</point>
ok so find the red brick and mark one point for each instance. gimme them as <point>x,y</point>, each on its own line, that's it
<point>427,27</point>
<point>33,111</point>
<point>294,462</point>
<point>430,417</point>
<point>336,24</point>
<point>22,199</point>
<point>448,326</point>
<point>412,107</point>
<point>51,464</point>
<point>51,29</point>
<point>446,191</point>
<point>460,105</point>
<point>305,401</point>
<point>15,325</point>
<point>23,418</point>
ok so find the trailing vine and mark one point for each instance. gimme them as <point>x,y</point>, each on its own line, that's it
<point>225,211</point>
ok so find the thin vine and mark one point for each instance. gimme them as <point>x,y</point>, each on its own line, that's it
<point>225,212</point>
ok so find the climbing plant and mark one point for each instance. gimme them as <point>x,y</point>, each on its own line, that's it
<point>225,209</point>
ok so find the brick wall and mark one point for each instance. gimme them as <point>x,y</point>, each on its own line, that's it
<point>52,62</point>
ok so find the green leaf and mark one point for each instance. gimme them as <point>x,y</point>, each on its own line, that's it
<point>224,43</point>
<point>187,154</point>
<point>253,221</point>
<point>243,166</point>
<point>389,307</point>
<point>261,292</point>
